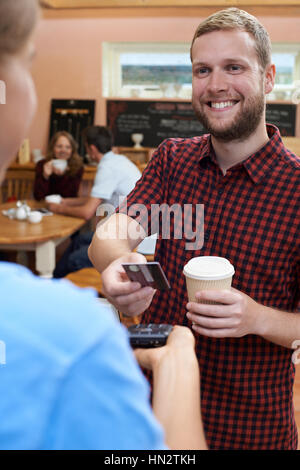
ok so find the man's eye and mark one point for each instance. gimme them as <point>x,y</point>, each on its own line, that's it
<point>201,71</point>
<point>234,68</point>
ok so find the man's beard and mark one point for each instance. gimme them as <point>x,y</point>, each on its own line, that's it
<point>242,126</point>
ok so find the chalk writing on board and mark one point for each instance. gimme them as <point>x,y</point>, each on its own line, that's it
<point>159,120</point>
<point>156,120</point>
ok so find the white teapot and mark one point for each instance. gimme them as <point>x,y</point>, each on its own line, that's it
<point>22,210</point>
<point>21,213</point>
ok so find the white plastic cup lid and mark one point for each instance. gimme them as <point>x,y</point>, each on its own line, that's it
<point>208,268</point>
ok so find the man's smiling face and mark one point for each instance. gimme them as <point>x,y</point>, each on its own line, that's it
<point>228,84</point>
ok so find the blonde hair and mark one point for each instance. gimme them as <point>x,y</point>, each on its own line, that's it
<point>17,21</point>
<point>75,162</point>
<point>233,18</point>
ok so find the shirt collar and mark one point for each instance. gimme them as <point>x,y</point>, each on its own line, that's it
<point>107,154</point>
<point>259,163</point>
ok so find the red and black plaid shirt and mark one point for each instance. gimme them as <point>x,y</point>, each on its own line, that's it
<point>252,219</point>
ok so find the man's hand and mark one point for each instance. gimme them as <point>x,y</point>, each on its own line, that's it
<point>236,316</point>
<point>56,208</point>
<point>127,296</point>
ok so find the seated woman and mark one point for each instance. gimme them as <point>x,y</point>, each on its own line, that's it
<point>51,180</point>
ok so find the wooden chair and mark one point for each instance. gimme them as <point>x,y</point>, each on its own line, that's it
<point>90,277</point>
<point>17,185</point>
<point>87,277</point>
<point>141,166</point>
<point>87,180</point>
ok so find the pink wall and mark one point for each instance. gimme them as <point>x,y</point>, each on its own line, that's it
<point>69,49</point>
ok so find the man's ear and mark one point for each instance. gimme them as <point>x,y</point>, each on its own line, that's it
<point>93,149</point>
<point>270,73</point>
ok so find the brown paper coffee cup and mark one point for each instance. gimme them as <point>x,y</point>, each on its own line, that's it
<point>207,273</point>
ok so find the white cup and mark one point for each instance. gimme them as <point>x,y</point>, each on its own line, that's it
<point>207,273</point>
<point>53,198</point>
<point>60,164</point>
<point>37,155</point>
<point>35,217</point>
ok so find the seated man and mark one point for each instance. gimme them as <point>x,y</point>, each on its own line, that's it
<point>115,178</point>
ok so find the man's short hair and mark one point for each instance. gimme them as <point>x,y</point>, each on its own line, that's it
<point>99,136</point>
<point>233,18</point>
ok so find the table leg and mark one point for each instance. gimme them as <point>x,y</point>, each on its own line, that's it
<point>45,258</point>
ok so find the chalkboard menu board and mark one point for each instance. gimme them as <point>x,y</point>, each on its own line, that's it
<point>159,120</point>
<point>283,116</point>
<point>72,116</point>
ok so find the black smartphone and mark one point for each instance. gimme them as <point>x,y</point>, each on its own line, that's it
<point>149,336</point>
<point>147,274</point>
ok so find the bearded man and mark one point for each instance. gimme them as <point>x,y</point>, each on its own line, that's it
<point>248,183</point>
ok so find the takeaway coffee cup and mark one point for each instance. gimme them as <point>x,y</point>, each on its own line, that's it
<point>207,272</point>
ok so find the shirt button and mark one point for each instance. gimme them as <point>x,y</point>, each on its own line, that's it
<point>206,236</point>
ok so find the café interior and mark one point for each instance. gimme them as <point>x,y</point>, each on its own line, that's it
<point>88,64</point>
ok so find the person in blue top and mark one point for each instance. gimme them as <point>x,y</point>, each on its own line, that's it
<point>68,378</point>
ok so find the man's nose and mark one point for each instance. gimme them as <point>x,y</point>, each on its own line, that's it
<point>217,82</point>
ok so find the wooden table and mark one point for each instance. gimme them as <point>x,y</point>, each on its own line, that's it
<point>42,238</point>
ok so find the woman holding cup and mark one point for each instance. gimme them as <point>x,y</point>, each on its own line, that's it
<point>61,171</point>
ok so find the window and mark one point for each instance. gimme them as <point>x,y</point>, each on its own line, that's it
<point>163,70</point>
<point>285,65</point>
<point>147,70</point>
<point>286,58</point>
<point>155,69</point>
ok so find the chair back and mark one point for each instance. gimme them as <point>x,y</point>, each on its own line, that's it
<point>87,181</point>
<point>17,185</point>
<point>141,166</point>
